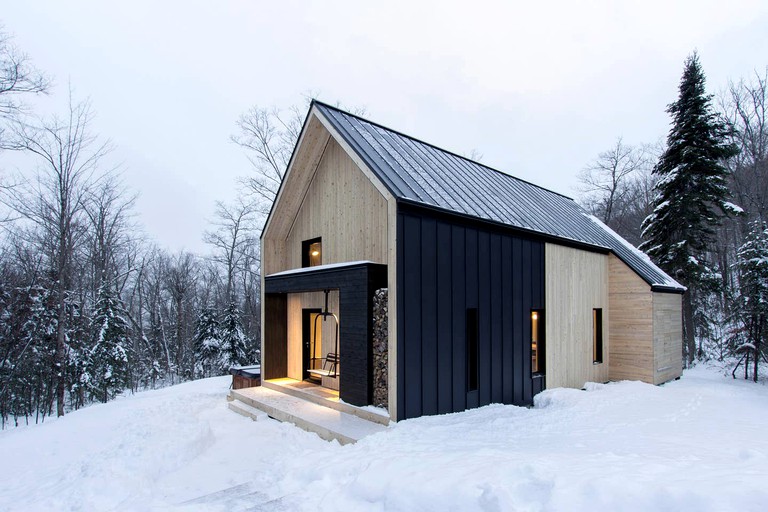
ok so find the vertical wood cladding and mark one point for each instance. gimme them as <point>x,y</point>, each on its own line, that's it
<point>447,266</point>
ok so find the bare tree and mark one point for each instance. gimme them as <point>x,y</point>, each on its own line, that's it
<point>231,238</point>
<point>605,182</point>
<point>18,78</point>
<point>745,108</point>
<point>54,203</point>
<point>180,281</point>
<point>109,211</point>
<point>269,135</point>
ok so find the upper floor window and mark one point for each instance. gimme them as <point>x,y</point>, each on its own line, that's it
<point>312,252</point>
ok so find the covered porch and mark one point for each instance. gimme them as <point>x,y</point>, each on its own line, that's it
<point>301,347</point>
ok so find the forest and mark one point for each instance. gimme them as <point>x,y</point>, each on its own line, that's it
<point>90,309</point>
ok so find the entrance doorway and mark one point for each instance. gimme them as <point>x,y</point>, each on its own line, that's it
<point>312,345</point>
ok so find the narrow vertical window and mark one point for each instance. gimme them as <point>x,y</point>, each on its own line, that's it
<point>472,359</point>
<point>312,252</point>
<point>597,334</point>
<point>537,341</point>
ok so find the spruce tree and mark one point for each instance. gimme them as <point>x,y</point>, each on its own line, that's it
<point>690,195</point>
<point>233,341</point>
<point>753,294</point>
<point>207,343</point>
<point>107,366</point>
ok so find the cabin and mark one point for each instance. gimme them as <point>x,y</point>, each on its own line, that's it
<point>401,275</point>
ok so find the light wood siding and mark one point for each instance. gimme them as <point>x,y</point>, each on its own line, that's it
<point>310,149</point>
<point>341,206</point>
<point>296,303</point>
<point>576,282</point>
<point>631,324</point>
<point>328,193</point>
<point>667,336</point>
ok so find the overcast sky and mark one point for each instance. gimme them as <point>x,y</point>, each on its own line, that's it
<point>538,88</point>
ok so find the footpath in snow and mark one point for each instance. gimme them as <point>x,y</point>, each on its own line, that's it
<point>697,444</point>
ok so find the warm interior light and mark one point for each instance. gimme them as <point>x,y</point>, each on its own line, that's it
<point>535,316</point>
<point>315,253</point>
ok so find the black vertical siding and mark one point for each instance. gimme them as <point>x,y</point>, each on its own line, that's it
<point>429,316</point>
<point>497,327</point>
<point>457,280</point>
<point>445,314</point>
<point>445,266</point>
<point>411,317</point>
<point>508,319</point>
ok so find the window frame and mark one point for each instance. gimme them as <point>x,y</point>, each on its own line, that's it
<point>598,345</point>
<point>306,259</point>
<point>541,345</point>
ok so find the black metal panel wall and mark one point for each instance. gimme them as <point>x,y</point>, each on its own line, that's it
<point>447,265</point>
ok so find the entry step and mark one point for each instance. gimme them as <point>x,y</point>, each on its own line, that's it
<point>326,422</point>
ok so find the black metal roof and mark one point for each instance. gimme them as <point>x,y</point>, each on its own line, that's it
<point>420,173</point>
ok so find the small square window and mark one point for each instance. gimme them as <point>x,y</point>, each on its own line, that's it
<point>312,252</point>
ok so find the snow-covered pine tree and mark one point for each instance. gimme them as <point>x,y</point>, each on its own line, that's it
<point>691,195</point>
<point>207,343</point>
<point>107,366</point>
<point>233,342</point>
<point>753,295</point>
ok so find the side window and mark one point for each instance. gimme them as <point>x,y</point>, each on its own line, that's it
<point>597,335</point>
<point>472,348</point>
<point>537,342</point>
<point>312,252</point>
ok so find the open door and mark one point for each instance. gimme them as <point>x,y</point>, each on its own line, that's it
<point>312,345</point>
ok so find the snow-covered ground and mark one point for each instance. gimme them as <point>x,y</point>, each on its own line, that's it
<point>696,444</point>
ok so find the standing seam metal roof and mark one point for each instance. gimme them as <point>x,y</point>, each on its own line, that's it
<point>422,173</point>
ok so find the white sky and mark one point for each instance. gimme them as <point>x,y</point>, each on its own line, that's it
<point>538,88</point>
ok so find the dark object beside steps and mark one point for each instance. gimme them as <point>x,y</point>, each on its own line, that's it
<point>245,376</point>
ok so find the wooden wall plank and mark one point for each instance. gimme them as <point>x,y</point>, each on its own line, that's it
<point>630,324</point>
<point>576,282</point>
<point>667,336</point>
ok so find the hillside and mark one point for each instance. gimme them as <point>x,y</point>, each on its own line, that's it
<point>695,444</point>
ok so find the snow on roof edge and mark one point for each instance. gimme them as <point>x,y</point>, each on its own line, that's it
<point>318,267</point>
<point>670,282</point>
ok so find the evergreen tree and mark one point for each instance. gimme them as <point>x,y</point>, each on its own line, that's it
<point>233,340</point>
<point>690,195</point>
<point>107,367</point>
<point>207,343</point>
<point>753,298</point>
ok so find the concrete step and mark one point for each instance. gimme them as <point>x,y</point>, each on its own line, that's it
<point>248,411</point>
<point>276,385</point>
<point>326,422</point>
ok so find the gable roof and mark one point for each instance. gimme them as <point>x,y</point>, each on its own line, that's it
<point>420,173</point>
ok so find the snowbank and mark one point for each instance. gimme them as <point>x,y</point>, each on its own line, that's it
<point>696,444</point>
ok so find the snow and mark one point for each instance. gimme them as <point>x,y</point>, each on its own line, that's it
<point>697,444</point>
<point>733,208</point>
<point>319,267</point>
<point>667,281</point>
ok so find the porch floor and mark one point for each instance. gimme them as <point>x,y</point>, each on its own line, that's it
<point>307,387</point>
<point>327,422</point>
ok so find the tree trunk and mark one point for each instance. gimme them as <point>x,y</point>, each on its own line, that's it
<point>61,356</point>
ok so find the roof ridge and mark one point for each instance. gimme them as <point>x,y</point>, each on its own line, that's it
<point>420,141</point>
